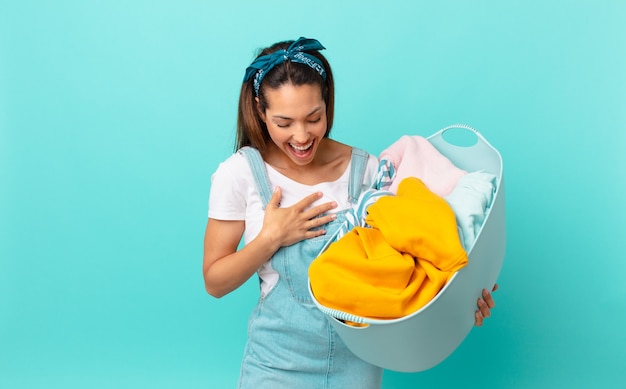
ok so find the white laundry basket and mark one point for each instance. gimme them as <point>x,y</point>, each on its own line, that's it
<point>426,337</point>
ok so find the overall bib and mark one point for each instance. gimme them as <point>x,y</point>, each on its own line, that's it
<point>291,344</point>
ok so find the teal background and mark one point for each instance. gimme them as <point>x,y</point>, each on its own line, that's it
<point>114,114</point>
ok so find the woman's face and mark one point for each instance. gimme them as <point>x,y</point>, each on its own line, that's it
<point>296,120</point>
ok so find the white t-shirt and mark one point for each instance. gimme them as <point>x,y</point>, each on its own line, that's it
<point>234,196</point>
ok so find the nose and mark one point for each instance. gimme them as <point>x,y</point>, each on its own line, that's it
<point>300,134</point>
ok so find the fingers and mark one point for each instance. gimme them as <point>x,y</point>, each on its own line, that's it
<point>300,220</point>
<point>319,210</point>
<point>485,304</point>
<point>316,218</point>
<point>488,299</point>
<point>478,319</point>
<point>313,212</point>
<point>320,221</point>
<point>275,199</point>
<point>308,200</point>
<point>483,308</point>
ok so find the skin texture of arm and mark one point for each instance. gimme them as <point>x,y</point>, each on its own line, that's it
<point>225,268</point>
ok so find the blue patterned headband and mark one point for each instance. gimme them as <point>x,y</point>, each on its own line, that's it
<point>294,53</point>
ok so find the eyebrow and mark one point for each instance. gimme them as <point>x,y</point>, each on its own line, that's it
<point>288,118</point>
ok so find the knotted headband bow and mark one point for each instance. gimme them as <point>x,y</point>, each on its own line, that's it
<point>294,53</point>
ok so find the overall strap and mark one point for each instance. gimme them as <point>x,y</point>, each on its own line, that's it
<point>357,173</point>
<point>259,172</point>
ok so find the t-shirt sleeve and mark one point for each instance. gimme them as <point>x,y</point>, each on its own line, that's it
<point>227,198</point>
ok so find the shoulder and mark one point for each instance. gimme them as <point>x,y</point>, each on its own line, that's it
<point>338,149</point>
<point>230,188</point>
<point>233,172</point>
<point>235,161</point>
<point>333,150</point>
<point>346,152</point>
<point>235,165</point>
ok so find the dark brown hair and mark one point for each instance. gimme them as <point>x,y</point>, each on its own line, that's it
<point>251,129</point>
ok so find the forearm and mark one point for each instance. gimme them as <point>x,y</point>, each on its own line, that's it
<point>229,272</point>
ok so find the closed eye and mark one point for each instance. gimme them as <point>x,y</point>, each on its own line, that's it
<point>282,123</point>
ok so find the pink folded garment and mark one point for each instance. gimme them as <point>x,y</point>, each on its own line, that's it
<point>415,156</point>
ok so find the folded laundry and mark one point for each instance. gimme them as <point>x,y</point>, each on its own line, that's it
<point>397,264</point>
<point>470,199</point>
<point>415,156</point>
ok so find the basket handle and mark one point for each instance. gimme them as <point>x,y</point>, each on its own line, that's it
<point>461,126</point>
<point>340,315</point>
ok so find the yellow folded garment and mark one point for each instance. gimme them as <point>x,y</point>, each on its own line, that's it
<point>397,266</point>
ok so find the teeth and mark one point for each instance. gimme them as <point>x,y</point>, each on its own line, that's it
<point>301,148</point>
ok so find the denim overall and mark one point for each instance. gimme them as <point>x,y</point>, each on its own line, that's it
<point>291,344</point>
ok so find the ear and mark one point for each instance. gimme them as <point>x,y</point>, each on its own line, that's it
<point>259,110</point>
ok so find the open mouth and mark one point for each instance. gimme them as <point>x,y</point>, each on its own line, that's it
<point>301,149</point>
